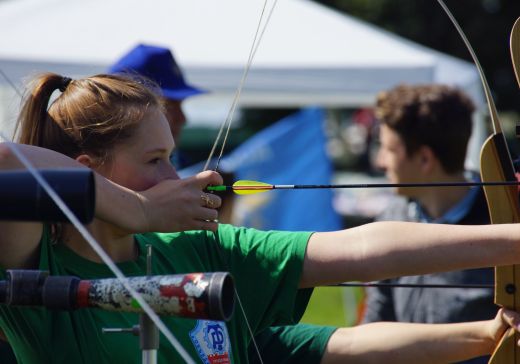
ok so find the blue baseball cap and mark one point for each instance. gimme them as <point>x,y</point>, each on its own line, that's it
<point>157,64</point>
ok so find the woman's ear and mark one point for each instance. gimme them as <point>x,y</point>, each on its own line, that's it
<point>86,160</point>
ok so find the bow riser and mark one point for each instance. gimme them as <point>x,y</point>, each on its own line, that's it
<point>503,208</point>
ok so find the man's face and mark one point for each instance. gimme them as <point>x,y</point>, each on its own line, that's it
<point>176,117</point>
<point>398,166</point>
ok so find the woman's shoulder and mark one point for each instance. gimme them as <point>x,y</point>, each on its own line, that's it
<point>169,238</point>
<point>227,236</point>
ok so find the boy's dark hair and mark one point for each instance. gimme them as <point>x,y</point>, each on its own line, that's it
<point>437,116</point>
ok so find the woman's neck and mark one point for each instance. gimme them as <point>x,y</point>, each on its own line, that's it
<point>119,245</point>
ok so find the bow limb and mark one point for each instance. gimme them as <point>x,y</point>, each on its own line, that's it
<point>495,162</point>
<point>514,42</point>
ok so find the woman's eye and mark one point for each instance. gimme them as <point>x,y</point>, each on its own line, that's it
<point>154,161</point>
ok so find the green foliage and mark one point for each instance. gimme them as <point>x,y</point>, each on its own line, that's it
<point>333,306</point>
<point>487,24</point>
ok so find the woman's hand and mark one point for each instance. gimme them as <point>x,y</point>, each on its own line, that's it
<point>504,320</point>
<point>179,205</point>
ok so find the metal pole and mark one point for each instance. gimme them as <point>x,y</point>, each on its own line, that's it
<point>149,334</point>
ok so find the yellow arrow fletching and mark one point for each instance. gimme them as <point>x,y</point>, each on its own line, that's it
<point>245,187</point>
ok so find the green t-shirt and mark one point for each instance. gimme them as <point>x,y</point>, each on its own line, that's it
<point>295,344</point>
<point>266,267</point>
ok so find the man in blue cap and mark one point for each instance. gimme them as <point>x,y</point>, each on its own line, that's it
<point>157,64</point>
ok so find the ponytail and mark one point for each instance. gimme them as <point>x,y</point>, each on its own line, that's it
<point>34,123</point>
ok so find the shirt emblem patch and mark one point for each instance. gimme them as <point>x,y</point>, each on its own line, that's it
<point>211,340</point>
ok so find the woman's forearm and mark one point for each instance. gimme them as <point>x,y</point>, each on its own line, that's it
<point>113,202</point>
<point>391,342</point>
<point>171,205</point>
<point>390,249</point>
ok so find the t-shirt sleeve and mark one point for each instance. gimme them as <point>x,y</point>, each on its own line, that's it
<point>302,343</point>
<point>267,268</point>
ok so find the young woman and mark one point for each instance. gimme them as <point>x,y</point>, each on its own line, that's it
<point>116,127</point>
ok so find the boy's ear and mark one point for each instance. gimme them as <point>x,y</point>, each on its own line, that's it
<point>427,158</point>
<point>86,160</point>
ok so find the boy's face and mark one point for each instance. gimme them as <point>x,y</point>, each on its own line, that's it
<point>398,166</point>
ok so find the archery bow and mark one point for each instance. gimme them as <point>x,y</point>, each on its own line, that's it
<point>496,165</point>
<point>503,208</point>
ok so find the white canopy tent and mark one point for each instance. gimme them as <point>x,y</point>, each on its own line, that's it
<point>309,54</point>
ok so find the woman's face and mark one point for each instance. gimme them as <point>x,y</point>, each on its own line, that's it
<point>143,160</point>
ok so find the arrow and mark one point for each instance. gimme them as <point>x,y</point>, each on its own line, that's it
<point>245,187</point>
<point>411,285</point>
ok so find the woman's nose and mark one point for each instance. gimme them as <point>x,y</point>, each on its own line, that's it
<point>169,172</point>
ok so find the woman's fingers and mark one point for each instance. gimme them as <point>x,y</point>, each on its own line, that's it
<point>208,178</point>
<point>206,214</point>
<point>207,225</point>
<point>512,318</point>
<point>178,205</point>
<point>210,200</point>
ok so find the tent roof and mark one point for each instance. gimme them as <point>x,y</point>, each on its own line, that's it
<point>309,54</point>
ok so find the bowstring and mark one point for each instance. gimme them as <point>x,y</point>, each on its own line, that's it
<point>227,125</point>
<point>98,249</point>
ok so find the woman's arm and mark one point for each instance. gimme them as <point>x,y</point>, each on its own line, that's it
<point>172,205</point>
<point>395,342</point>
<point>391,249</point>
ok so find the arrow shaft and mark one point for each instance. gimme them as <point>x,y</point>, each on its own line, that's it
<point>409,185</point>
<point>410,285</point>
<point>360,185</point>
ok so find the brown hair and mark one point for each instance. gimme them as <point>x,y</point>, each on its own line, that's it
<point>89,116</point>
<point>437,116</point>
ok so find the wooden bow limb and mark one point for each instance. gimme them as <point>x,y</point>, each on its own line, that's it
<point>514,42</point>
<point>495,162</point>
